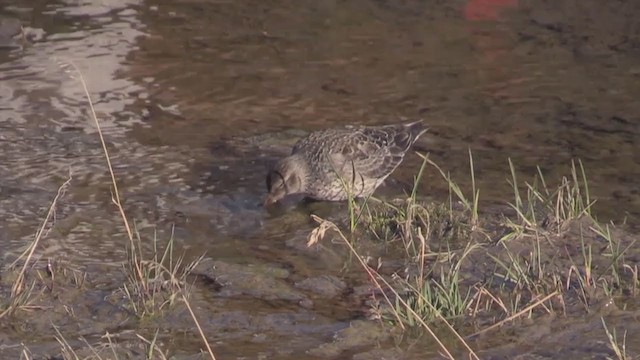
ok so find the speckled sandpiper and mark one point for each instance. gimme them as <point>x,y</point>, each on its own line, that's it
<point>334,163</point>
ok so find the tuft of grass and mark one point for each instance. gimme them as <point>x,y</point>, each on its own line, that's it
<point>524,279</point>
<point>155,283</point>
<point>587,282</point>
<point>20,300</point>
<point>401,220</point>
<point>471,205</point>
<point>21,292</point>
<point>109,350</point>
<point>543,208</point>
<point>545,213</point>
<point>523,276</point>
<point>432,296</point>
<point>144,276</point>
<point>383,286</point>
<point>616,253</point>
<point>618,348</point>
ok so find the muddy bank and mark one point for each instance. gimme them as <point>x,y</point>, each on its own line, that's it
<point>575,276</point>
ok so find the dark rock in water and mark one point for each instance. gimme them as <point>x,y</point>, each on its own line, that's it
<point>9,29</point>
<point>358,335</point>
<point>260,281</point>
<point>326,286</point>
<point>377,354</point>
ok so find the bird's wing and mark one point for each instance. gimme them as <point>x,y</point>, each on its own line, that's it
<point>373,153</point>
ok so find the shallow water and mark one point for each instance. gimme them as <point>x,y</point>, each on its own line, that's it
<point>196,97</point>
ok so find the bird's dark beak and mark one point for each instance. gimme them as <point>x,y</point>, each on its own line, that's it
<point>268,201</point>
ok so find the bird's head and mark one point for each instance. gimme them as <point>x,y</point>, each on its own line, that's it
<point>287,177</point>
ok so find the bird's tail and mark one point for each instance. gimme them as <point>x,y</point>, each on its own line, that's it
<point>416,129</point>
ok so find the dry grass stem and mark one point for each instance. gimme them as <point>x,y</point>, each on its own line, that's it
<point>516,315</point>
<point>136,263</point>
<point>195,320</point>
<point>115,193</point>
<point>374,276</point>
<point>18,284</point>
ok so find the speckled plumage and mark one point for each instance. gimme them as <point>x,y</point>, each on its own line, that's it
<point>325,163</point>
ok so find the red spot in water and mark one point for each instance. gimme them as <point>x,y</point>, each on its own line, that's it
<point>486,9</point>
<point>491,45</point>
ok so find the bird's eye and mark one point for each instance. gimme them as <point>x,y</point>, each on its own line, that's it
<point>275,180</point>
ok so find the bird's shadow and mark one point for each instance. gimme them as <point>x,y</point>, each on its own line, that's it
<point>301,204</point>
<point>289,203</point>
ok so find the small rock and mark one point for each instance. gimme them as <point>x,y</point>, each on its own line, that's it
<point>380,354</point>
<point>261,281</point>
<point>359,334</point>
<point>326,286</point>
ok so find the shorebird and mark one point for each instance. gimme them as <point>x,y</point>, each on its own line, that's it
<point>333,164</point>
